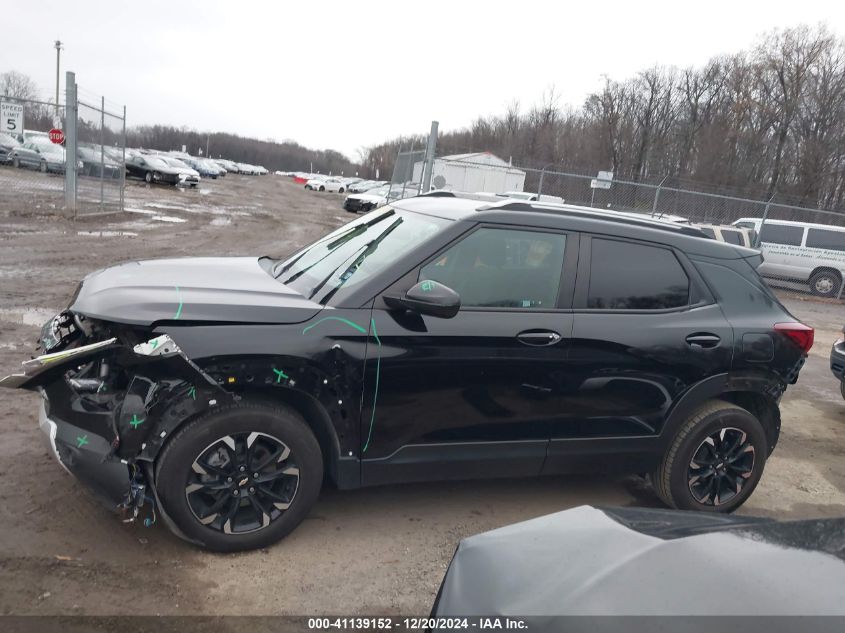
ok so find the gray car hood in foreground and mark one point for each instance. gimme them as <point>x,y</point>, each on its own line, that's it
<point>592,562</point>
<point>209,289</point>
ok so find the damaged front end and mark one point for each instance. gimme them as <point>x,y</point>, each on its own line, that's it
<point>108,406</point>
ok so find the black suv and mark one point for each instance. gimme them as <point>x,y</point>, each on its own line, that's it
<point>437,338</point>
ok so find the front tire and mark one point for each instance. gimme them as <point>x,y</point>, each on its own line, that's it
<point>825,283</point>
<point>148,177</point>
<point>43,166</point>
<point>842,389</point>
<point>240,477</point>
<point>16,162</point>
<point>714,461</point>
<point>322,188</point>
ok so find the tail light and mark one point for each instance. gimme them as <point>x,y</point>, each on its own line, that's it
<point>800,334</point>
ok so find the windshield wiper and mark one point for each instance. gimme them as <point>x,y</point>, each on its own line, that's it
<point>372,246</point>
<point>339,241</point>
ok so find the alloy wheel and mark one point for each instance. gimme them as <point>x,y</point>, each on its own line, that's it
<point>720,466</point>
<point>242,482</point>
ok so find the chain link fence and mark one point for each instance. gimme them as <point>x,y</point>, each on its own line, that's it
<point>31,166</point>
<point>36,173</point>
<point>803,248</point>
<point>406,180</point>
<point>101,149</point>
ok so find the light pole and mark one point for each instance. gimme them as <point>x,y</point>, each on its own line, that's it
<point>58,57</point>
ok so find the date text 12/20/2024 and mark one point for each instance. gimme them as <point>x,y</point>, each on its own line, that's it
<point>417,624</point>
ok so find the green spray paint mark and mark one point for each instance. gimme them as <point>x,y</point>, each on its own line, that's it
<point>427,286</point>
<point>375,394</point>
<point>358,328</point>
<point>280,374</point>
<point>135,422</point>
<point>155,343</point>
<point>82,441</point>
<point>193,392</point>
<point>351,324</point>
<point>179,297</point>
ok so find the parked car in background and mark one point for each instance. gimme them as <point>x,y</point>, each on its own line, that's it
<point>739,235</point>
<point>7,144</point>
<point>803,252</point>
<point>188,176</point>
<point>366,185</point>
<point>367,201</point>
<point>41,155</point>
<point>246,169</point>
<point>837,361</point>
<point>204,167</point>
<point>315,182</point>
<point>260,170</point>
<point>97,162</point>
<point>230,166</point>
<point>153,169</point>
<point>326,184</point>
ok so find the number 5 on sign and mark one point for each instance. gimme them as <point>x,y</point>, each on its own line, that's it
<point>11,117</point>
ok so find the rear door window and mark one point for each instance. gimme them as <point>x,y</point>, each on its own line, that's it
<point>630,276</point>
<point>826,239</point>
<point>782,234</point>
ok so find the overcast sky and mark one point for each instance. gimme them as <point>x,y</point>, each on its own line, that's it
<point>345,75</point>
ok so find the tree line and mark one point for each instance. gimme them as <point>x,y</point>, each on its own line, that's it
<point>283,156</point>
<point>761,122</point>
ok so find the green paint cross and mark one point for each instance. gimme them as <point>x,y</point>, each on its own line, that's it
<point>82,440</point>
<point>427,286</point>
<point>280,374</point>
<point>154,342</point>
<point>135,422</point>
<point>193,392</point>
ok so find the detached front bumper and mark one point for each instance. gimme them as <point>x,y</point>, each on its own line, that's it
<point>87,455</point>
<point>107,407</point>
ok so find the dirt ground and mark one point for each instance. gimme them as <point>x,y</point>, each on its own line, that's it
<point>375,551</point>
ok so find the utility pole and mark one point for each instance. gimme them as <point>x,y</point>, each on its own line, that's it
<point>58,57</point>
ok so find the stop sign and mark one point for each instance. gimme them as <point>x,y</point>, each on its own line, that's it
<point>57,136</point>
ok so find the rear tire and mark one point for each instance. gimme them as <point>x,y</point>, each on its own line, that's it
<point>43,166</point>
<point>258,432</point>
<point>825,283</point>
<point>715,460</point>
<point>16,162</point>
<point>842,389</point>
<point>322,188</point>
<point>340,190</point>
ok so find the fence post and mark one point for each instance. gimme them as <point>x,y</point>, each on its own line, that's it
<point>102,151</point>
<point>71,118</point>
<point>428,164</point>
<point>123,163</point>
<point>540,186</point>
<point>763,221</point>
<point>657,196</point>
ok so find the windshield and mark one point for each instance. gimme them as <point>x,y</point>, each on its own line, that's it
<point>152,161</point>
<point>355,252</point>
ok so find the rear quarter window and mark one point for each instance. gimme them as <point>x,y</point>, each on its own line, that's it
<point>630,276</point>
<point>733,237</point>
<point>826,239</point>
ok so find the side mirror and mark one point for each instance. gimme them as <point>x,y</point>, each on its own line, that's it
<point>428,297</point>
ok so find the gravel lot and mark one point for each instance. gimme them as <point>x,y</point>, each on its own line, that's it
<point>371,551</point>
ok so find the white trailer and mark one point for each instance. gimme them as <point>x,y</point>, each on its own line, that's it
<point>480,171</point>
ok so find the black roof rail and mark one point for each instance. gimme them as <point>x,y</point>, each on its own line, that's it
<point>508,205</point>
<point>439,193</point>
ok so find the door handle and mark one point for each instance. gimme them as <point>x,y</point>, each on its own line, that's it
<point>538,338</point>
<point>704,340</point>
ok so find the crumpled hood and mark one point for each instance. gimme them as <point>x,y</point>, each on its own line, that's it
<point>216,289</point>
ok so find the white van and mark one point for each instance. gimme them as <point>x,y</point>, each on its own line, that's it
<point>801,251</point>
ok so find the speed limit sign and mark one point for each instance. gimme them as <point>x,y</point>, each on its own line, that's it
<point>11,117</point>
